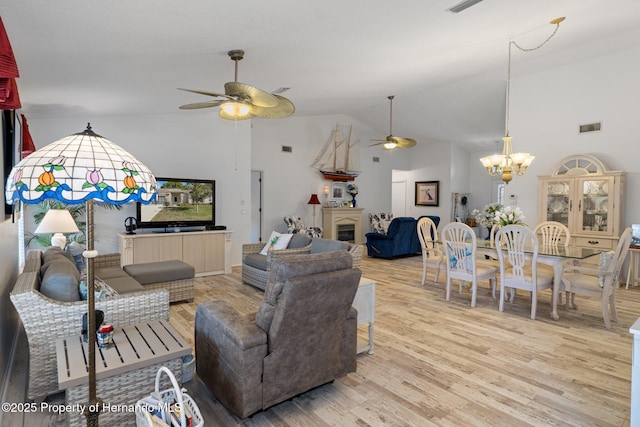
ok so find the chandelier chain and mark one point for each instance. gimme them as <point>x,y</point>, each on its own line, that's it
<point>523,49</point>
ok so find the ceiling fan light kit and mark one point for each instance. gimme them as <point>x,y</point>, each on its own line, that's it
<point>509,163</point>
<point>393,142</point>
<point>241,101</point>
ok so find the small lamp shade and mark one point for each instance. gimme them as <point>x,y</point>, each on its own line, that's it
<point>57,221</point>
<point>313,200</point>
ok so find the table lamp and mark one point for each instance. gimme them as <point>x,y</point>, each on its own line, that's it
<point>326,196</point>
<point>57,221</point>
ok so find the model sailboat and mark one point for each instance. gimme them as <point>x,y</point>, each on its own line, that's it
<point>338,158</point>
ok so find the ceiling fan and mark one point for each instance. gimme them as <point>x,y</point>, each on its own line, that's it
<point>241,101</point>
<point>392,142</point>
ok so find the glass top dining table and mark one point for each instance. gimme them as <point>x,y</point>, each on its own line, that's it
<point>555,256</point>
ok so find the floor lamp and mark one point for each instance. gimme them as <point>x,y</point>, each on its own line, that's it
<point>313,200</point>
<point>83,168</point>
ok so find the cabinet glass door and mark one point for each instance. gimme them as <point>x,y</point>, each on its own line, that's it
<point>595,204</point>
<point>558,202</point>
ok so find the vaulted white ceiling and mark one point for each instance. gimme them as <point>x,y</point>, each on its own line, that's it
<point>88,57</point>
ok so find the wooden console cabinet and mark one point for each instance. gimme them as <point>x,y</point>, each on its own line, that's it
<point>209,252</point>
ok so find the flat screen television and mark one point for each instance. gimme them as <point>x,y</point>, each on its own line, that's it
<point>180,203</point>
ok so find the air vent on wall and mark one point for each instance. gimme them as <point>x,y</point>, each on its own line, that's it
<point>376,160</point>
<point>591,127</point>
<point>463,5</point>
<point>287,149</point>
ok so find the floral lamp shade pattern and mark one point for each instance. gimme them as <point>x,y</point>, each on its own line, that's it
<point>81,167</point>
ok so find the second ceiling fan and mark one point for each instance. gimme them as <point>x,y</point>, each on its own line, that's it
<point>393,142</point>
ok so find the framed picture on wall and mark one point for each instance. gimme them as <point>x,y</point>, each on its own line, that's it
<point>337,191</point>
<point>427,193</point>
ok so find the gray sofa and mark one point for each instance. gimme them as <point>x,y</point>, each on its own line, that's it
<point>303,335</point>
<point>57,313</point>
<point>257,267</point>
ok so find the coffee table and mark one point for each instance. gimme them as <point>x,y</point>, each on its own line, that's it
<point>125,371</point>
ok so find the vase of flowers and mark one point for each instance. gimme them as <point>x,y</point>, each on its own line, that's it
<point>508,216</point>
<point>352,189</point>
<point>487,218</point>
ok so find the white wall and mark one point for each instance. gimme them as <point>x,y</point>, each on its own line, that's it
<point>546,109</point>
<point>289,180</point>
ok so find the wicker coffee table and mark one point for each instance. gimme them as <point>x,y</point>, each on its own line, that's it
<point>125,371</point>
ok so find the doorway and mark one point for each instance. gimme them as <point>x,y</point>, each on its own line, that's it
<point>256,206</point>
<point>399,198</point>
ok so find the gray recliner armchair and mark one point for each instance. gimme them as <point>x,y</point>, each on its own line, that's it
<point>303,335</point>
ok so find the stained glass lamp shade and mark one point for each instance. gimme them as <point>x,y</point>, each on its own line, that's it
<point>83,168</point>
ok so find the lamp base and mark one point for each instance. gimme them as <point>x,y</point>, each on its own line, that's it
<point>59,240</point>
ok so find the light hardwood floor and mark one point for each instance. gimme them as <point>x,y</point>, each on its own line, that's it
<point>445,364</point>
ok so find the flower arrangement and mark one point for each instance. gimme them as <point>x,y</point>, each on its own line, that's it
<point>352,189</point>
<point>509,216</point>
<point>486,218</point>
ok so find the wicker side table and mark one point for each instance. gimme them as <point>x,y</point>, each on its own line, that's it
<point>125,371</point>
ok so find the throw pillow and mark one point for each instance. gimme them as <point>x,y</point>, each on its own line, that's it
<point>100,288</point>
<point>468,256</point>
<point>60,280</point>
<point>276,242</point>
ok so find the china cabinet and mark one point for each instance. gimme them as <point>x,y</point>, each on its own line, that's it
<point>586,197</point>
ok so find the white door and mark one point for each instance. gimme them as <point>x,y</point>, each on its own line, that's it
<point>399,198</point>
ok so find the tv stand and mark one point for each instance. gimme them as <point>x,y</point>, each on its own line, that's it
<point>209,252</point>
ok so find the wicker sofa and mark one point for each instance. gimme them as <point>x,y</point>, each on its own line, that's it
<point>46,319</point>
<point>257,273</point>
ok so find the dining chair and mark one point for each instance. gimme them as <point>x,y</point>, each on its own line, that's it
<point>519,268</point>
<point>553,234</point>
<point>459,242</point>
<point>431,255</point>
<point>599,280</point>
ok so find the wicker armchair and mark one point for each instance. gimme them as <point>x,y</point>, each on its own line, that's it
<point>258,277</point>
<point>45,319</point>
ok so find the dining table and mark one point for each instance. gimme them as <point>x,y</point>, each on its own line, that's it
<point>552,255</point>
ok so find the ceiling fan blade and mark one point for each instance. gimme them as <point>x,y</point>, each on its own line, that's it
<point>285,108</point>
<point>258,97</point>
<point>404,142</point>
<point>202,92</point>
<point>379,143</point>
<point>197,105</point>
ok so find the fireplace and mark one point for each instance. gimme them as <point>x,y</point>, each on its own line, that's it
<point>342,224</point>
<point>346,232</point>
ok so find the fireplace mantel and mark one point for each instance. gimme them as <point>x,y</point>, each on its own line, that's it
<point>333,219</point>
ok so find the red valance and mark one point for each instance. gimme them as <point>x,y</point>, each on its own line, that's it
<point>9,98</point>
<point>8,66</point>
<point>27,143</point>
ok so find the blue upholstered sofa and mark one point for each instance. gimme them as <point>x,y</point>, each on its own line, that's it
<point>401,238</point>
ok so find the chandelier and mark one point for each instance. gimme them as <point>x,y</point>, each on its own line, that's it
<point>509,163</point>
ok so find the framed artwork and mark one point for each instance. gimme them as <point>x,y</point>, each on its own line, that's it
<point>333,204</point>
<point>337,191</point>
<point>427,193</point>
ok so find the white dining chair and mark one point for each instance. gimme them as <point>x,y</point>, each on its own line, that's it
<point>431,255</point>
<point>519,268</point>
<point>599,280</point>
<point>459,243</point>
<point>553,234</point>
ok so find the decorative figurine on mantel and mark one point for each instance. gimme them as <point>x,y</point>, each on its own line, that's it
<point>352,189</point>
